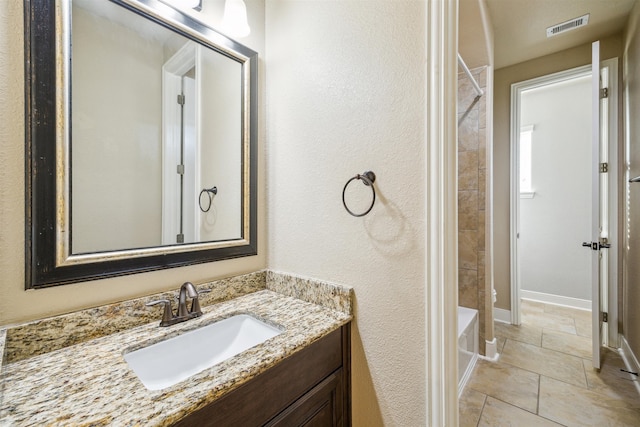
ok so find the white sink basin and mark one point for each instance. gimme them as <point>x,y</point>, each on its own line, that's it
<point>168,362</point>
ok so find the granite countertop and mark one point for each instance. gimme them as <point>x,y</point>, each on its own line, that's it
<point>90,383</point>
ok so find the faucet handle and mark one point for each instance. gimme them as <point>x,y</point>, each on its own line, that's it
<point>167,315</point>
<point>195,303</point>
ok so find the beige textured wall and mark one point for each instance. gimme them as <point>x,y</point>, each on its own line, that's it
<point>503,79</point>
<point>631,249</point>
<point>16,304</point>
<point>117,162</point>
<point>221,121</point>
<point>346,94</point>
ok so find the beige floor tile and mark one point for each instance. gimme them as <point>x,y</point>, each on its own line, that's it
<point>612,358</point>
<point>500,414</point>
<point>550,354</point>
<point>500,341</point>
<point>566,311</point>
<point>610,381</point>
<point>531,307</point>
<point>550,321</point>
<point>525,333</point>
<point>582,315</point>
<point>583,326</point>
<point>543,361</point>
<point>507,383</point>
<point>471,404</point>
<point>572,344</point>
<point>575,406</point>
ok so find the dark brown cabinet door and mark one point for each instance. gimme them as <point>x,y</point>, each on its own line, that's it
<point>320,407</point>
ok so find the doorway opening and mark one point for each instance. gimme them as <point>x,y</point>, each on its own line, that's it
<point>552,192</point>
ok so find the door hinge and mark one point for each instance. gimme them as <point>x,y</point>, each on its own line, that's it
<point>604,167</point>
<point>605,316</point>
<point>180,238</point>
<point>604,92</point>
<point>180,169</point>
<point>181,99</point>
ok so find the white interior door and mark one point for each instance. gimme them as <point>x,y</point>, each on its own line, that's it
<point>600,214</point>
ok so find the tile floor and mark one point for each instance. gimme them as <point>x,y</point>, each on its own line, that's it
<point>544,377</point>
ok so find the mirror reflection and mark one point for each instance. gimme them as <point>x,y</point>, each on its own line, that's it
<point>156,143</point>
<point>141,136</point>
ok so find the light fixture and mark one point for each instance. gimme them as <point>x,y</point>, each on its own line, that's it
<point>235,19</point>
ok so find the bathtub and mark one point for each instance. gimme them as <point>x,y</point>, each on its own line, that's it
<point>467,344</point>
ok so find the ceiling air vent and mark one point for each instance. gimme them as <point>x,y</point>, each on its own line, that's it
<point>568,26</point>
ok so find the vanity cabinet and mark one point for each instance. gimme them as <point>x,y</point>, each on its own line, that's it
<point>310,388</point>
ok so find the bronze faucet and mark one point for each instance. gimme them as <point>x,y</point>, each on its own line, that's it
<point>183,314</point>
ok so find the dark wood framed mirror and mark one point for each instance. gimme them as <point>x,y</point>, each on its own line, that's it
<point>120,169</point>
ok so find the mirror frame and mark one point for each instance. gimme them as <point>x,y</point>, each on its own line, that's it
<point>47,119</point>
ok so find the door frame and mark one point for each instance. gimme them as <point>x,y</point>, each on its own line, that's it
<point>441,237</point>
<point>516,92</point>
<point>186,58</point>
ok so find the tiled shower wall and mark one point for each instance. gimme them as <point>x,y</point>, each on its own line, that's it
<point>473,291</point>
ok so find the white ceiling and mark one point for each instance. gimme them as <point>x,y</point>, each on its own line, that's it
<point>519,26</point>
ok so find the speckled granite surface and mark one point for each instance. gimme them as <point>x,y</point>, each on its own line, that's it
<point>3,335</point>
<point>54,333</point>
<point>90,383</point>
<point>79,377</point>
<point>330,295</point>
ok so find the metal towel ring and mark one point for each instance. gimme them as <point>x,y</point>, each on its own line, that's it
<point>210,192</point>
<point>368,178</point>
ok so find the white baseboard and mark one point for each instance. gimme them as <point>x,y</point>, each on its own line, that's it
<point>501,315</point>
<point>491,350</point>
<point>630,359</point>
<point>581,304</point>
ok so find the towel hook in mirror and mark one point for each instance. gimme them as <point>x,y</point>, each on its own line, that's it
<point>210,193</point>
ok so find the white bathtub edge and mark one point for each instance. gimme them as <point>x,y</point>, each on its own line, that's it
<point>467,374</point>
<point>467,317</point>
